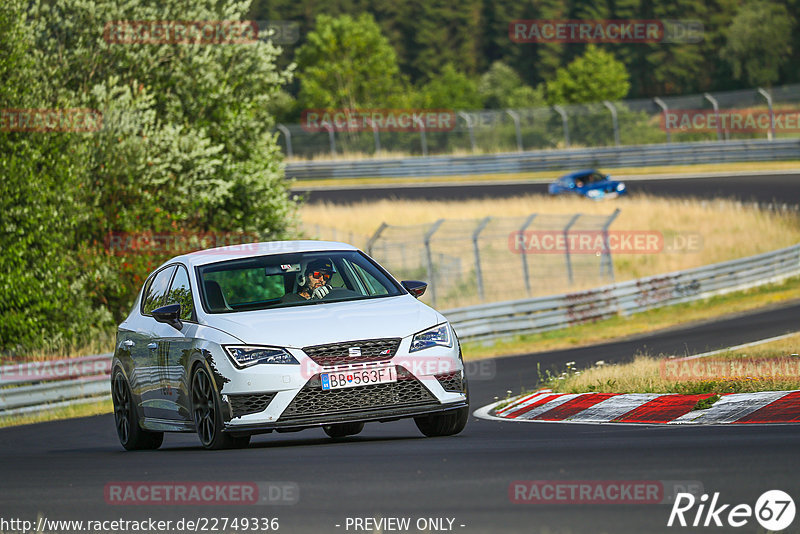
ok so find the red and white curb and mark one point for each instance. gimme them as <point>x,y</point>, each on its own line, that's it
<point>646,408</point>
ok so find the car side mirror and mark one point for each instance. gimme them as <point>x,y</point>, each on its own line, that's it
<point>415,287</point>
<point>169,314</point>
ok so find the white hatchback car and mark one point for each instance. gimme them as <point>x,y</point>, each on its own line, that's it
<point>283,336</point>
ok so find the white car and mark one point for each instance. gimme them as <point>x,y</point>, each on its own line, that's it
<point>236,341</point>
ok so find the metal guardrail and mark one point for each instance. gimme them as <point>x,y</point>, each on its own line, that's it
<point>552,160</point>
<point>29,386</point>
<point>33,386</point>
<point>503,319</point>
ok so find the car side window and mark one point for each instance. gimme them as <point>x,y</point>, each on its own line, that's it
<point>156,290</point>
<point>180,292</point>
<point>373,286</point>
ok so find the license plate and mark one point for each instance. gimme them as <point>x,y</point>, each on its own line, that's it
<point>360,377</point>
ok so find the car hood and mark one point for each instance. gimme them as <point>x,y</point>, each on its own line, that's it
<point>316,324</point>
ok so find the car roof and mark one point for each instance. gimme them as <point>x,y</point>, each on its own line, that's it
<point>578,174</point>
<point>249,250</point>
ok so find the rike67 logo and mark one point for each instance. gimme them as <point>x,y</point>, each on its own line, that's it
<point>774,511</point>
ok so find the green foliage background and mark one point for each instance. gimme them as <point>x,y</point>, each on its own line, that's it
<point>186,147</point>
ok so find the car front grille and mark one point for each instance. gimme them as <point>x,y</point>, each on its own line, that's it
<point>451,381</point>
<point>372,350</point>
<point>313,400</point>
<point>247,404</point>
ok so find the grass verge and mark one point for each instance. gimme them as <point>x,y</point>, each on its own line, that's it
<point>67,412</point>
<point>726,372</point>
<point>645,322</point>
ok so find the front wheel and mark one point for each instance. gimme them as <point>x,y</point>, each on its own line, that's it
<point>443,424</point>
<point>131,435</point>
<point>207,414</point>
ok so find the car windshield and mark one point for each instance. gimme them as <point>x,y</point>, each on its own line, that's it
<point>284,280</point>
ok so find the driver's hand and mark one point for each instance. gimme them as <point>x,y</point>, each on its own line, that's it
<point>320,292</point>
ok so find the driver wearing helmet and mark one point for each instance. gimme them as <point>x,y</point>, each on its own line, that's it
<point>313,283</point>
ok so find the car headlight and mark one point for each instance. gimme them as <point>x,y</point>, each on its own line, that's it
<point>620,187</point>
<point>593,193</point>
<point>439,335</point>
<point>247,355</point>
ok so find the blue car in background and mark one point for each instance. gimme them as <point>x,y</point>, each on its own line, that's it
<point>588,183</point>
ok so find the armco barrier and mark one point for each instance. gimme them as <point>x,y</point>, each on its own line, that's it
<point>533,315</point>
<point>85,379</point>
<point>552,160</point>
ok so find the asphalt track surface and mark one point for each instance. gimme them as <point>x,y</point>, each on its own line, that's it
<point>782,189</point>
<point>60,469</point>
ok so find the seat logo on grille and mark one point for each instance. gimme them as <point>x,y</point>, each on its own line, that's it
<point>354,351</point>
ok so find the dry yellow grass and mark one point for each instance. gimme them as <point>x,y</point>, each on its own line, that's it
<point>788,346</point>
<point>645,374</point>
<point>69,412</point>
<point>100,343</point>
<point>728,229</point>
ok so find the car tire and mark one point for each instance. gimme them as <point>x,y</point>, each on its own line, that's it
<point>341,430</point>
<point>443,424</point>
<point>126,418</point>
<point>207,414</point>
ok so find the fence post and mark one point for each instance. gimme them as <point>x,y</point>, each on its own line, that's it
<point>331,137</point>
<point>563,114</point>
<point>476,250</point>
<point>566,244</point>
<point>423,140</point>
<point>514,115</point>
<point>614,120</point>
<point>524,255</point>
<point>375,135</point>
<point>468,120</point>
<point>431,278</point>
<point>768,97</point>
<point>288,136</point>
<point>663,105</point>
<point>375,237</point>
<point>607,247</point>
<point>715,105</point>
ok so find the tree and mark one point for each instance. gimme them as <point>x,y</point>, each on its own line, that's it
<point>185,146</point>
<point>450,89</point>
<point>758,42</point>
<point>347,63</point>
<point>502,87</point>
<point>593,77</point>
<point>40,208</point>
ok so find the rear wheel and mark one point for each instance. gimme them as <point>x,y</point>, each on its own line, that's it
<point>341,430</point>
<point>207,414</point>
<point>131,435</point>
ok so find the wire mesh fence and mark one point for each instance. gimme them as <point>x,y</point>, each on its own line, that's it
<point>469,261</point>
<point>626,122</point>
